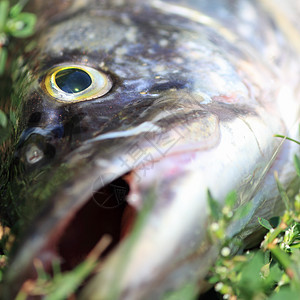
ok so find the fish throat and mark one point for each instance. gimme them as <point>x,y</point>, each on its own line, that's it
<point>106,212</point>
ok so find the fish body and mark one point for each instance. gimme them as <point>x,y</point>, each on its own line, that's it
<point>189,97</point>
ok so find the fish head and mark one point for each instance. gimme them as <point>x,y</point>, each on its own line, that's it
<point>126,117</point>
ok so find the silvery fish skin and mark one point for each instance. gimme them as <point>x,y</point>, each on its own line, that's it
<point>198,91</point>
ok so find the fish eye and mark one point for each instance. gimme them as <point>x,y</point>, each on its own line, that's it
<point>75,83</point>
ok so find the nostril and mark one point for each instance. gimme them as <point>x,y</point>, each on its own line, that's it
<point>33,154</point>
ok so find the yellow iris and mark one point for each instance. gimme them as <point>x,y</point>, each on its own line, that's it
<point>74,83</point>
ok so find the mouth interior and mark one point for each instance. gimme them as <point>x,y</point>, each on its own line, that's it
<point>105,213</point>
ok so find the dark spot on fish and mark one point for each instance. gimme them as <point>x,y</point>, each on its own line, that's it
<point>50,151</point>
<point>34,119</point>
<point>165,86</point>
<point>74,125</point>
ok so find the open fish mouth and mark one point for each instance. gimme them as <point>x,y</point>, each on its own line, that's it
<point>127,115</point>
<point>105,213</point>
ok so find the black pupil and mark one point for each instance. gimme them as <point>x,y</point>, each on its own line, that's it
<point>73,80</point>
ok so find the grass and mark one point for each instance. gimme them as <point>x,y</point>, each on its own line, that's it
<point>270,272</point>
<point>62,285</point>
<point>13,24</point>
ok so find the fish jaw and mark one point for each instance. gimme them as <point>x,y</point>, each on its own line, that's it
<point>177,181</point>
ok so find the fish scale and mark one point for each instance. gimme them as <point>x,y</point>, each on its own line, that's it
<point>198,90</point>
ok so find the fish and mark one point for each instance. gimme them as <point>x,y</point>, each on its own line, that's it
<point>127,113</point>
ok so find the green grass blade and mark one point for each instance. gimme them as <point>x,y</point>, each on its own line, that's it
<point>187,292</point>
<point>3,58</point>
<point>282,192</point>
<point>214,207</point>
<point>285,293</point>
<point>3,119</point>
<point>282,257</point>
<point>22,25</point>
<point>17,8</point>
<point>230,199</point>
<point>265,223</point>
<point>4,7</point>
<point>242,211</point>
<point>287,138</point>
<point>297,164</point>
<point>69,283</point>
